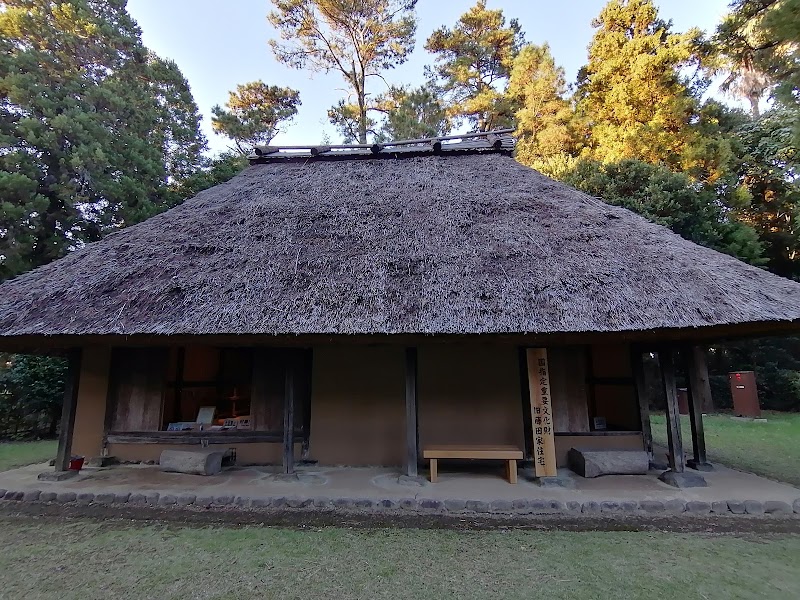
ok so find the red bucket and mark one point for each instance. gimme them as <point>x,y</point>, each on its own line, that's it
<point>76,463</point>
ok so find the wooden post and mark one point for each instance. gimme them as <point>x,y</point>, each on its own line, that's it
<point>68,411</point>
<point>542,412</point>
<point>412,430</point>
<point>308,358</point>
<point>695,369</point>
<point>698,379</point>
<point>288,418</point>
<point>674,436</point>
<point>637,366</point>
<point>527,419</point>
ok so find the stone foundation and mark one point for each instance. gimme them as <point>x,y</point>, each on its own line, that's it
<point>452,506</point>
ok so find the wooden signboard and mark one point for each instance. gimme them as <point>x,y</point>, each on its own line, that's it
<point>544,446</point>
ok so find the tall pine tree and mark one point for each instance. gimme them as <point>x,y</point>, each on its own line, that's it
<point>360,39</point>
<point>473,65</point>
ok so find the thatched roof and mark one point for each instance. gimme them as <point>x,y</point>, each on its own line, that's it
<point>424,243</point>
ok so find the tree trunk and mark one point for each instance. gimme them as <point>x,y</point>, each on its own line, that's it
<point>754,109</point>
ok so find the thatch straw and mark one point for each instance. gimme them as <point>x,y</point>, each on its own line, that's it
<point>468,244</point>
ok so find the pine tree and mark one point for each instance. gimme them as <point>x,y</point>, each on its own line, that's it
<point>360,39</point>
<point>412,114</point>
<point>473,65</point>
<point>255,113</point>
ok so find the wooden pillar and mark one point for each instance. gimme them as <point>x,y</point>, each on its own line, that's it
<point>68,410</point>
<point>695,369</point>
<point>288,418</point>
<point>637,366</point>
<point>674,437</point>
<point>306,399</point>
<point>698,379</point>
<point>412,430</point>
<point>527,418</point>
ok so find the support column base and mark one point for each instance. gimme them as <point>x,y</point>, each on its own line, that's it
<point>554,482</point>
<point>683,480</point>
<point>57,475</point>
<point>412,480</point>
<point>699,465</point>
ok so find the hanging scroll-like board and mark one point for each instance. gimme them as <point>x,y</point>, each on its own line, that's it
<point>544,447</point>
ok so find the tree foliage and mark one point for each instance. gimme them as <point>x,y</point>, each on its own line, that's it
<point>544,115</point>
<point>474,60</point>
<point>763,38</point>
<point>412,114</point>
<point>359,39</point>
<point>632,94</point>
<point>93,127</point>
<point>670,199</point>
<point>769,169</point>
<point>31,392</point>
<point>255,112</point>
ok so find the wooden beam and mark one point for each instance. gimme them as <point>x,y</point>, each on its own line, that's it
<point>412,429</point>
<point>288,418</point>
<point>696,369</point>
<point>622,381</point>
<point>264,150</point>
<point>674,436</point>
<point>68,410</point>
<point>637,366</point>
<point>198,437</point>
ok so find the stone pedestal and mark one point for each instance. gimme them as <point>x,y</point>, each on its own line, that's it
<point>57,475</point>
<point>683,480</point>
<point>195,462</point>
<point>699,465</point>
<point>594,463</point>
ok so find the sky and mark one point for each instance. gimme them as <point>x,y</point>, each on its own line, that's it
<point>219,45</point>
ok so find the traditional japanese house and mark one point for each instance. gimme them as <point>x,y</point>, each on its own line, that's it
<point>353,305</point>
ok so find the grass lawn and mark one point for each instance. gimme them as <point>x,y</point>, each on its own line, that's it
<point>771,449</point>
<point>19,454</point>
<point>86,559</point>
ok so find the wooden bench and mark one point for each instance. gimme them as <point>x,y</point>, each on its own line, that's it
<point>510,454</point>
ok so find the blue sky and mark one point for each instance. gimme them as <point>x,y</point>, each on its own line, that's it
<point>218,45</point>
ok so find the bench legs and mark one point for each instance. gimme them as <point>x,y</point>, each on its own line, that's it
<point>511,471</point>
